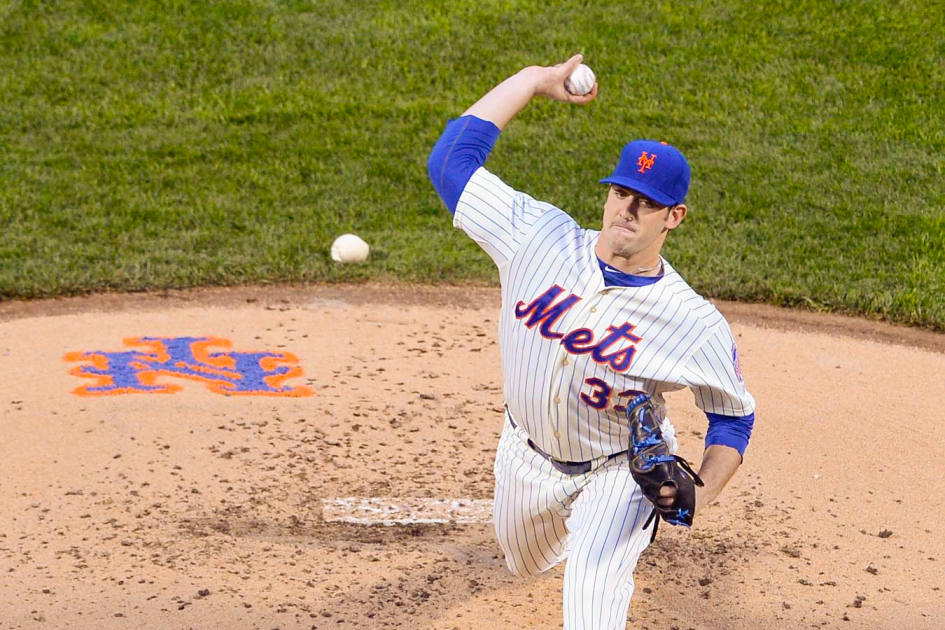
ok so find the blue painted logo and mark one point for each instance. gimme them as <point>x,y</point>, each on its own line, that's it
<point>145,370</point>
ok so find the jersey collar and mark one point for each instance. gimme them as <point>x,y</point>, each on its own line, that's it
<point>615,278</point>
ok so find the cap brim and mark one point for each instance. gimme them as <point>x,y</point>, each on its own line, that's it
<point>636,186</point>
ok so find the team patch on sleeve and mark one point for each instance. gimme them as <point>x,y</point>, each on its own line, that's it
<point>736,362</point>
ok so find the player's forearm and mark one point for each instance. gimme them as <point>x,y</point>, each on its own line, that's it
<point>504,101</point>
<point>719,463</point>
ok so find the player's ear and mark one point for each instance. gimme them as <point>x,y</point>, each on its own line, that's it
<point>676,215</point>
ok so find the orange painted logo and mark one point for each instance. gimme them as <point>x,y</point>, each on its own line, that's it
<point>226,372</point>
<point>645,161</point>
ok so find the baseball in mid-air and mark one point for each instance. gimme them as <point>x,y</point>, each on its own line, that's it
<point>349,248</point>
<point>581,81</point>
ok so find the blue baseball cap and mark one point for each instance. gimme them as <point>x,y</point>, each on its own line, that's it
<point>652,168</point>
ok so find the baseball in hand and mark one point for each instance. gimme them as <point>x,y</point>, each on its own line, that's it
<point>581,81</point>
<point>349,248</point>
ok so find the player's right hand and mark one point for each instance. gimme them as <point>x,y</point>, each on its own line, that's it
<point>550,82</point>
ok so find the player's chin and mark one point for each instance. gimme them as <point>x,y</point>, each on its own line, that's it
<point>622,245</point>
<point>621,252</point>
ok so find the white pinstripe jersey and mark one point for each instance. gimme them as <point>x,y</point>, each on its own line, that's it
<point>574,350</point>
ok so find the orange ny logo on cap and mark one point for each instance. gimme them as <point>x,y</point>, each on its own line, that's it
<point>645,161</point>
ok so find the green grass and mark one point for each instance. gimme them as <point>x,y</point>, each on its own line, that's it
<point>172,144</point>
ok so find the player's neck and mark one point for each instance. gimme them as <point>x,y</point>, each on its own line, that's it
<point>636,266</point>
<point>645,262</point>
<point>640,263</point>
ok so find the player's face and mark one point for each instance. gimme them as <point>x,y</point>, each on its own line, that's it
<point>635,226</point>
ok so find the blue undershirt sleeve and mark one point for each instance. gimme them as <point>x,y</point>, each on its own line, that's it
<point>733,431</point>
<point>462,148</point>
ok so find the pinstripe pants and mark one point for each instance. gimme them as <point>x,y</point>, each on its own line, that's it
<point>595,520</point>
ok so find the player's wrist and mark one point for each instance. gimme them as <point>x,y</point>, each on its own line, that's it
<point>530,80</point>
<point>703,498</point>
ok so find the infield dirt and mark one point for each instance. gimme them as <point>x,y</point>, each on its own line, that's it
<point>196,509</point>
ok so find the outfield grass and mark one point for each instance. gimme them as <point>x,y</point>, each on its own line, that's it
<point>173,144</point>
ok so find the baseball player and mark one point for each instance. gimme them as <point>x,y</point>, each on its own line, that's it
<point>590,319</point>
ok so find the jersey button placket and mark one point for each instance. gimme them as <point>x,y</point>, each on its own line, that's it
<point>562,377</point>
<point>569,388</point>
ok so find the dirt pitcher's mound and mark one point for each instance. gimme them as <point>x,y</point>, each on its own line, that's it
<point>225,459</point>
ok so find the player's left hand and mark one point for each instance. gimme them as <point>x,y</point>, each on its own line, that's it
<point>666,479</point>
<point>668,496</point>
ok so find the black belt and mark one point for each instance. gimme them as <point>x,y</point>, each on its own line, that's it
<point>567,468</point>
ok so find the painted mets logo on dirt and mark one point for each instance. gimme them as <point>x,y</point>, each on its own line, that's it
<point>226,372</point>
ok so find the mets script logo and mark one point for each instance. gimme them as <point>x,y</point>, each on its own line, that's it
<point>544,312</point>
<point>645,161</point>
<point>224,372</point>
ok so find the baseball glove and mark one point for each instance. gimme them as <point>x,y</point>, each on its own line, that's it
<point>653,466</point>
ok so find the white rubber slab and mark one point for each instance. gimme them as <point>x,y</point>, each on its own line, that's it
<point>405,511</point>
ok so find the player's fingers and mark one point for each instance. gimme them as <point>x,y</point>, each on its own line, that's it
<point>571,60</point>
<point>667,496</point>
<point>584,99</point>
<point>573,63</point>
<point>551,80</point>
<point>565,68</point>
